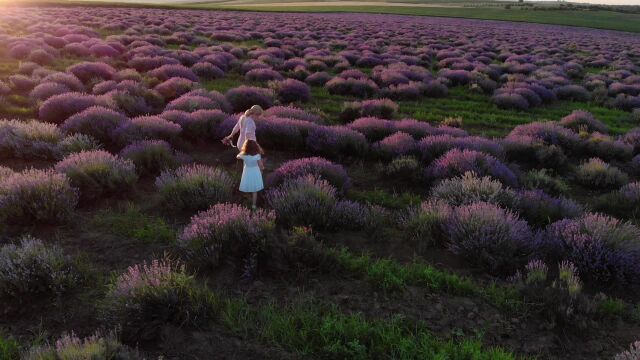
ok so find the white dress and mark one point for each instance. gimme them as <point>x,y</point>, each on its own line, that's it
<point>246,128</point>
<point>251,175</point>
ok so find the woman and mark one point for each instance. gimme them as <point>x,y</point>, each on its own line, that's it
<point>245,127</point>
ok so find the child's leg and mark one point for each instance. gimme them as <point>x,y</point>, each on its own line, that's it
<point>254,198</point>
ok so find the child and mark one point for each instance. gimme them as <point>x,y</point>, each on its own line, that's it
<point>251,181</point>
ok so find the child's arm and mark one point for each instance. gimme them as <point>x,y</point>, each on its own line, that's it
<point>261,165</point>
<point>239,157</point>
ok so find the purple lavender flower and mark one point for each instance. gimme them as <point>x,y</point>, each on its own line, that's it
<point>97,173</point>
<point>306,200</point>
<point>291,90</point>
<point>227,230</point>
<point>490,237</point>
<point>87,71</point>
<point>605,250</point>
<point>98,122</point>
<point>335,174</point>
<point>37,195</point>
<point>58,108</point>
<point>243,97</point>
<point>194,187</point>
<point>456,162</point>
<point>336,141</point>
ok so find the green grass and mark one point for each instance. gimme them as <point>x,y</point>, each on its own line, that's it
<point>384,198</point>
<point>320,331</point>
<point>612,307</point>
<point>389,275</point>
<point>134,224</point>
<point>9,348</point>
<point>480,116</point>
<point>595,19</point>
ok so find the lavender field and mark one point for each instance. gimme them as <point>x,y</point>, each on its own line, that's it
<point>434,188</point>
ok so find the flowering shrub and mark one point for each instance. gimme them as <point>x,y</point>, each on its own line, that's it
<point>147,127</point>
<point>244,97</point>
<point>306,200</point>
<point>510,100</point>
<point>207,71</point>
<point>404,167</point>
<point>77,143</point>
<point>262,75</point>
<point>148,296</point>
<point>580,119</point>
<point>97,173</point>
<point>33,268</point>
<point>334,141</point>
<point>227,230</point>
<point>632,354</point>
<point>168,71</point>
<point>86,71</point>
<point>605,147</point>
<point>291,90</point>
<point>72,347</point>
<point>191,103</point>
<point>543,180</point>
<point>335,174</point>
<point>46,90</point>
<point>58,108</point>
<point>31,139</point>
<point>194,187</point>
<point>540,209</point>
<point>351,86</point>
<point>597,174</point>
<point>605,250</point>
<point>424,225</point>
<point>456,162</point>
<point>490,237</point>
<point>97,122</point>
<point>174,87</point>
<point>318,78</point>
<point>395,145</point>
<point>469,188</point>
<point>373,128</point>
<point>432,147</point>
<point>573,92</point>
<point>291,112</point>
<point>351,215</point>
<point>549,133</point>
<point>36,195</point>
<point>150,156</point>
<point>378,108</point>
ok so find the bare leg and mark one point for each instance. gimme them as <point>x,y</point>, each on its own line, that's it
<point>254,199</point>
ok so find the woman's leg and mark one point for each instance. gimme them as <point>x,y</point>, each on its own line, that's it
<point>254,198</point>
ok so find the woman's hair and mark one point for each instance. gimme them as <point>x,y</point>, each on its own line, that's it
<point>251,147</point>
<point>254,110</point>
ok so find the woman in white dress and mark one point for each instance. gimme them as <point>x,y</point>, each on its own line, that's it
<point>245,127</point>
<point>251,181</point>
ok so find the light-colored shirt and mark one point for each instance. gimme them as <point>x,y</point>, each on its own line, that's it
<point>247,129</point>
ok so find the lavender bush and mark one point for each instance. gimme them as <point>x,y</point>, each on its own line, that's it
<point>227,230</point>
<point>457,162</point>
<point>469,188</point>
<point>597,174</point>
<point>335,174</point>
<point>605,250</point>
<point>97,173</point>
<point>194,187</point>
<point>307,200</point>
<point>32,268</point>
<point>490,237</point>
<point>36,195</point>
